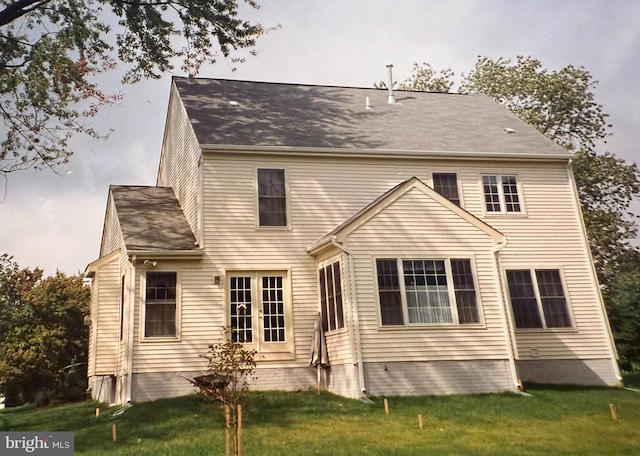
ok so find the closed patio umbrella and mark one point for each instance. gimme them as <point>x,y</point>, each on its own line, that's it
<point>319,355</point>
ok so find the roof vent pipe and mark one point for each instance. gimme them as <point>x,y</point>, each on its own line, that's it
<point>390,99</point>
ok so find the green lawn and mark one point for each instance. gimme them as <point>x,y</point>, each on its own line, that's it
<point>553,420</point>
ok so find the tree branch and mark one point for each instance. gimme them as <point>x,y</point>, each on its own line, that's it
<point>18,9</point>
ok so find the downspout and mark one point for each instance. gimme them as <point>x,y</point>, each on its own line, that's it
<point>129,341</point>
<point>357,349</point>
<point>603,312</point>
<point>507,324</point>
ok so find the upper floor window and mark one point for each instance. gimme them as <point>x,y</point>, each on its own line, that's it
<point>447,185</point>
<point>501,193</point>
<point>331,297</point>
<point>538,299</point>
<point>160,304</point>
<point>426,291</point>
<point>272,197</point>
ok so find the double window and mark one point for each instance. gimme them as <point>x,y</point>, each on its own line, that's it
<point>538,298</point>
<point>501,194</point>
<point>160,304</point>
<point>426,291</point>
<point>272,197</point>
<point>331,296</point>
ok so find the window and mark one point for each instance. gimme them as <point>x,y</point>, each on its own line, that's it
<point>447,185</point>
<point>538,299</point>
<point>426,291</point>
<point>160,305</point>
<point>258,312</point>
<point>501,194</point>
<point>331,297</point>
<point>272,197</point>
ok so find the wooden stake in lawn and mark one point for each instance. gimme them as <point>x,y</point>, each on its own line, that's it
<point>386,406</point>
<point>113,432</point>
<point>420,422</point>
<point>230,368</point>
<point>614,412</point>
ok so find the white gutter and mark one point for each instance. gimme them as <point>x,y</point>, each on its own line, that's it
<point>601,308</point>
<point>356,348</point>
<point>507,324</point>
<point>382,153</point>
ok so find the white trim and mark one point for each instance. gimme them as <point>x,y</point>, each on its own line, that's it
<point>340,152</point>
<point>143,306</point>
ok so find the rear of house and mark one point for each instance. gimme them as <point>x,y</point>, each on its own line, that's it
<point>439,239</point>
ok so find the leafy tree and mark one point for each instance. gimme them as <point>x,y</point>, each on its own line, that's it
<point>424,79</point>
<point>623,298</point>
<point>560,104</point>
<point>51,51</point>
<point>43,344</point>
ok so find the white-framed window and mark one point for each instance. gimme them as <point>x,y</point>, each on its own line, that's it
<point>538,299</point>
<point>331,297</point>
<point>161,294</point>
<point>272,197</point>
<point>426,291</point>
<point>501,194</point>
<point>447,185</point>
<point>259,310</point>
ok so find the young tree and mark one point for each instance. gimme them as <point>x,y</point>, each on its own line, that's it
<point>229,370</point>
<point>50,51</point>
<point>43,343</point>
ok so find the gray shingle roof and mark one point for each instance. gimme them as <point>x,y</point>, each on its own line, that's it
<point>151,219</point>
<point>228,112</point>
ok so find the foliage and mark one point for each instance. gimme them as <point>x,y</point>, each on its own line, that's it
<point>52,50</point>
<point>230,368</point>
<point>43,341</point>
<point>560,104</point>
<point>623,304</point>
<point>558,421</point>
<point>607,186</point>
<point>424,79</point>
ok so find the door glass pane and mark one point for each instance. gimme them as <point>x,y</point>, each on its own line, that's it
<point>241,309</point>
<point>273,309</point>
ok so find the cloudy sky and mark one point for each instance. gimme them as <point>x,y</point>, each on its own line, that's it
<point>54,221</point>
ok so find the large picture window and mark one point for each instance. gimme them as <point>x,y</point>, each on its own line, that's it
<point>426,291</point>
<point>272,197</point>
<point>331,297</point>
<point>160,304</point>
<point>501,194</point>
<point>538,299</point>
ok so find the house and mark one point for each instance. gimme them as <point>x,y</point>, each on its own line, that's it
<point>438,236</point>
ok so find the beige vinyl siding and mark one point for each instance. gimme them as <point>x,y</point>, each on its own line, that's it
<point>324,192</point>
<point>416,226</point>
<point>112,235</point>
<point>105,318</point>
<point>549,236</point>
<point>179,162</point>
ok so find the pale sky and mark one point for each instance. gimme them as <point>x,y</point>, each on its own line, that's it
<point>55,221</point>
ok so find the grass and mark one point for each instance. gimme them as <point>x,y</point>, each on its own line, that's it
<point>553,420</point>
